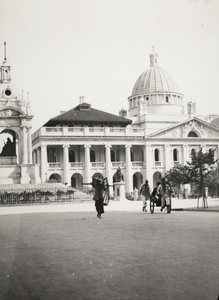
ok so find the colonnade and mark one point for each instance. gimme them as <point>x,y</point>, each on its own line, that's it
<point>40,156</point>
<point>150,167</point>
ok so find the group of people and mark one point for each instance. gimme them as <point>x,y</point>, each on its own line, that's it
<point>161,193</point>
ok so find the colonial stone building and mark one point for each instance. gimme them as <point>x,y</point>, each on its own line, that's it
<point>158,132</point>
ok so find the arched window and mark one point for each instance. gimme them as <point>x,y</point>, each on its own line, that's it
<point>192,134</point>
<point>175,155</point>
<point>193,150</point>
<point>156,155</point>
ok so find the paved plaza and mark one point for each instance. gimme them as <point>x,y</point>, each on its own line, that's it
<point>65,252</point>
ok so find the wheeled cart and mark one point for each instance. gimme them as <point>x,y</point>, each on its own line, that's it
<point>156,202</point>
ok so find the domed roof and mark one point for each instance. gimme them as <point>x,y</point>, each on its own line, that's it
<point>155,79</point>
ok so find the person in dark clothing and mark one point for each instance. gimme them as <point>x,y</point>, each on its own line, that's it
<point>99,187</point>
<point>165,192</point>
<point>145,192</point>
<point>156,195</point>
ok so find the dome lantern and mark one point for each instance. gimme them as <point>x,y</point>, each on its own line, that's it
<point>153,58</point>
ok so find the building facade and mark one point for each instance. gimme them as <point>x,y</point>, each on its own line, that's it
<point>157,133</point>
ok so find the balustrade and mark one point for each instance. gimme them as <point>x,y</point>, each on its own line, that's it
<point>77,165</point>
<point>86,131</point>
<point>54,165</point>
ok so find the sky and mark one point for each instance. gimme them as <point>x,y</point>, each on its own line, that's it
<point>60,50</point>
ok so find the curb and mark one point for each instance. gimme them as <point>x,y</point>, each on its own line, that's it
<point>201,210</point>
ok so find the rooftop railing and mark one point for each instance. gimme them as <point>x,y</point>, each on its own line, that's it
<point>88,131</point>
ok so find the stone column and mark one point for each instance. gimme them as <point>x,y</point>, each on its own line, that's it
<point>109,168</point>
<point>128,178</point>
<point>24,145</point>
<point>66,178</point>
<point>87,173</point>
<point>17,151</point>
<point>29,145</point>
<point>168,158</point>
<point>108,164</point>
<point>43,162</point>
<point>149,160</point>
<point>38,155</point>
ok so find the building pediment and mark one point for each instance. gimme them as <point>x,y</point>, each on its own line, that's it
<point>191,128</point>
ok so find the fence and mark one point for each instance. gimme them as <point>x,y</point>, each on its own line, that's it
<point>41,196</point>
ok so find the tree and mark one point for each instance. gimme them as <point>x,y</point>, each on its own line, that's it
<point>178,175</point>
<point>212,179</point>
<point>196,171</point>
<point>200,167</point>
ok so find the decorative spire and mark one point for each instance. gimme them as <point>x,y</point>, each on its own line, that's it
<point>153,58</point>
<point>5,58</point>
<point>5,69</point>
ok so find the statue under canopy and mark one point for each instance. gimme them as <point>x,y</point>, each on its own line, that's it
<point>8,149</point>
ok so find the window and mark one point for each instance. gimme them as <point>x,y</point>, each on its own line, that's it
<point>156,155</point>
<point>175,155</point>
<point>71,156</point>
<point>192,134</point>
<point>167,99</point>
<point>112,154</point>
<point>92,156</point>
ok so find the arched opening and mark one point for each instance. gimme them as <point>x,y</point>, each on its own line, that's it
<point>157,156</point>
<point>192,134</point>
<point>98,175</point>
<point>175,156</point>
<point>137,180</point>
<point>7,143</point>
<point>55,178</point>
<point>76,181</point>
